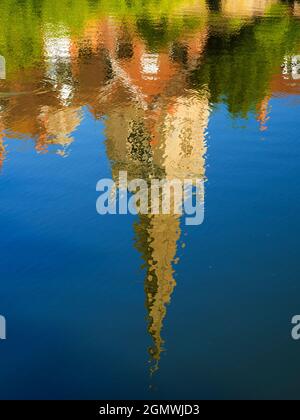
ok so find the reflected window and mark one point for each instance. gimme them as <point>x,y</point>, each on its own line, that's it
<point>125,50</point>
<point>179,53</point>
<point>150,66</point>
<point>291,67</point>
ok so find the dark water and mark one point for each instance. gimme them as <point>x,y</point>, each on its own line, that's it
<point>143,306</point>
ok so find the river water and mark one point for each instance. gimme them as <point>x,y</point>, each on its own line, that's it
<point>124,306</point>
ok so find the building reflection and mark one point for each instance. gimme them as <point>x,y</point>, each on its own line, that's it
<point>172,147</point>
<point>111,63</point>
<point>157,130</point>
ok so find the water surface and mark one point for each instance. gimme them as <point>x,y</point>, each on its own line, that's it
<point>124,307</point>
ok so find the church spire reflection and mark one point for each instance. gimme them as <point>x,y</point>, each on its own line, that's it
<point>158,130</point>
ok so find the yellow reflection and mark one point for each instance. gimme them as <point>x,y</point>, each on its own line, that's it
<point>156,239</point>
<point>156,128</point>
<point>56,126</point>
<point>297,9</point>
<point>247,8</point>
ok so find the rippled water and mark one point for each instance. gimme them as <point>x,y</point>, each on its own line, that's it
<point>144,306</point>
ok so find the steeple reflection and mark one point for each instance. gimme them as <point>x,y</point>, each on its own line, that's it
<point>157,130</point>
